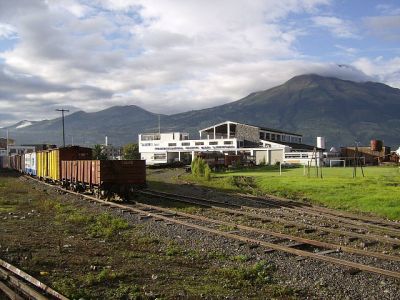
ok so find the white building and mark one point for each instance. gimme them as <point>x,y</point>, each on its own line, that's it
<point>262,144</point>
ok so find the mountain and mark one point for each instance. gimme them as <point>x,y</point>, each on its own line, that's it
<point>21,124</point>
<point>343,111</point>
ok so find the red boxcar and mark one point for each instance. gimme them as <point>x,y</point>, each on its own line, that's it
<point>104,177</point>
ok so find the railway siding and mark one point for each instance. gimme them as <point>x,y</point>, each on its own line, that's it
<point>295,278</point>
<point>61,244</point>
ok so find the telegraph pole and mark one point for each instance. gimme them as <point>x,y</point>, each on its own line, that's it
<point>63,131</point>
<point>7,143</point>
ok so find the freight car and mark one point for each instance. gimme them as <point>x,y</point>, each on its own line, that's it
<point>73,168</point>
<point>218,160</point>
<point>17,162</point>
<point>108,178</point>
<point>30,163</point>
<point>49,161</point>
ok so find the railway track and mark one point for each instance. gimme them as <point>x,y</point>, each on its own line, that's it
<point>18,285</point>
<point>358,221</point>
<point>238,210</point>
<point>272,241</point>
<point>344,217</point>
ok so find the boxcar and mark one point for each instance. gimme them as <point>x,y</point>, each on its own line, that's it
<point>105,177</point>
<point>22,163</point>
<point>16,162</point>
<point>4,162</point>
<point>56,156</point>
<point>42,170</point>
<point>30,163</point>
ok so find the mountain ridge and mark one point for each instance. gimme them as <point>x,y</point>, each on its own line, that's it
<point>344,111</point>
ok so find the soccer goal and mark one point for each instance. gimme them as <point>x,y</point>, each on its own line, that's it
<point>340,161</point>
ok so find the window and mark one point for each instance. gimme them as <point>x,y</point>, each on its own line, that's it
<point>199,143</point>
<point>213,143</point>
<point>228,142</point>
<point>185,144</point>
<point>273,137</point>
<point>171,144</point>
<point>150,137</point>
<point>146,144</point>
<point>278,137</point>
<point>160,156</point>
<point>267,136</point>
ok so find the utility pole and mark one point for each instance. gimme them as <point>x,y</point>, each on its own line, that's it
<point>159,125</point>
<point>63,130</point>
<point>7,144</point>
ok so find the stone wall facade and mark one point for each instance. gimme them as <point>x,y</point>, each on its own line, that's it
<point>248,133</point>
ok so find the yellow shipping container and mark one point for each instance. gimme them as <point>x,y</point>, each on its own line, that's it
<point>54,164</point>
<point>42,166</point>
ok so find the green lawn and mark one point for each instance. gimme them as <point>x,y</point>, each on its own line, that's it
<point>378,192</point>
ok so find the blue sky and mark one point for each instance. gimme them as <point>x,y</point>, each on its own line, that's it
<point>176,55</point>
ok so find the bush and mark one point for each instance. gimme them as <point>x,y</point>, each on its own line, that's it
<point>200,168</point>
<point>207,172</point>
<point>195,167</point>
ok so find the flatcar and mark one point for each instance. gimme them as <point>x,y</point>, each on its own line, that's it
<point>108,178</point>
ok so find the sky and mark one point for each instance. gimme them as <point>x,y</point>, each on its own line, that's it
<point>170,56</point>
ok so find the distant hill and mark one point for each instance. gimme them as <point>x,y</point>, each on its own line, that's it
<point>343,111</point>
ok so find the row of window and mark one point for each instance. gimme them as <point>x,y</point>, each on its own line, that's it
<point>212,143</point>
<point>279,137</point>
<point>296,155</point>
<point>150,137</point>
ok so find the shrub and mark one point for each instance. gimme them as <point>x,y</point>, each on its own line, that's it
<point>200,168</point>
<point>207,172</point>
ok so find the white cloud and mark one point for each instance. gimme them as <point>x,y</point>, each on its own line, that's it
<point>338,27</point>
<point>347,50</point>
<point>388,9</point>
<point>384,70</point>
<point>386,27</point>
<point>166,56</point>
<point>7,31</point>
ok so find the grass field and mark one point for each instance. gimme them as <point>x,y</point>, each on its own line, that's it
<point>377,193</point>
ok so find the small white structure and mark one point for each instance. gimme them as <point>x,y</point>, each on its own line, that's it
<point>321,142</point>
<point>264,145</point>
<point>398,151</point>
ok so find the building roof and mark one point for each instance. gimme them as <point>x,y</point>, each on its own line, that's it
<point>296,146</point>
<point>261,127</point>
<point>277,130</point>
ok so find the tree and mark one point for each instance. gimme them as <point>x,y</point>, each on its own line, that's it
<point>98,153</point>
<point>131,151</point>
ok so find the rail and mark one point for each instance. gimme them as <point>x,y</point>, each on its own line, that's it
<point>20,282</point>
<point>160,213</point>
